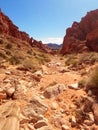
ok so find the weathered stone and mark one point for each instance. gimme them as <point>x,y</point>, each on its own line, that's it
<point>40,124</point>
<point>38,105</point>
<point>65,127</point>
<point>74,86</point>
<point>31,127</point>
<point>73,121</point>
<point>54,105</point>
<point>91,117</point>
<point>10,91</point>
<point>54,90</point>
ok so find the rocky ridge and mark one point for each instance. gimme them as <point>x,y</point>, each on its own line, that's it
<point>7,28</point>
<point>83,35</point>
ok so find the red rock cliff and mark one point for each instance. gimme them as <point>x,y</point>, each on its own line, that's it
<point>82,36</point>
<point>8,28</point>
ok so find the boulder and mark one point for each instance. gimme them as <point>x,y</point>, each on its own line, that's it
<point>74,86</point>
<point>40,124</point>
<point>95,111</point>
<point>10,91</point>
<point>53,91</point>
<point>65,127</point>
<point>73,121</point>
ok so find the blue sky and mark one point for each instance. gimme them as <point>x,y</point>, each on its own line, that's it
<point>46,20</point>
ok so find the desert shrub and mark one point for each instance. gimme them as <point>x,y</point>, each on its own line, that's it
<point>14,60</point>
<point>92,82</point>
<point>71,60</point>
<point>31,64</point>
<point>80,116</point>
<point>8,46</point>
<point>42,58</point>
<point>45,57</point>
<point>29,52</point>
<point>82,83</point>
<point>89,58</point>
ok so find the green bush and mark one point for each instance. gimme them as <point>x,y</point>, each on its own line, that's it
<point>71,60</point>
<point>14,60</point>
<point>93,79</point>
<point>89,58</point>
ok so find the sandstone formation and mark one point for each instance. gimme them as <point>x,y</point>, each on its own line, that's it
<point>82,36</point>
<point>8,28</point>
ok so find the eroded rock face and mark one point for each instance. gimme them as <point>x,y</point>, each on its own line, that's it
<point>82,36</point>
<point>8,28</point>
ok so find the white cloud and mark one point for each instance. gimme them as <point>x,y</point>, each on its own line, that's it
<point>57,40</point>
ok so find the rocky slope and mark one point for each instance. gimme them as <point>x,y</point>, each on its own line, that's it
<point>7,28</point>
<point>48,99</point>
<point>82,36</point>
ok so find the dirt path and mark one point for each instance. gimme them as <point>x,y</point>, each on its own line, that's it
<point>56,72</point>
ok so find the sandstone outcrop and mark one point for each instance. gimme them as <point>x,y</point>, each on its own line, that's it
<point>82,36</point>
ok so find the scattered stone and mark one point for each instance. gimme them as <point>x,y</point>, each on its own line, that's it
<point>10,91</point>
<point>91,117</point>
<point>23,119</point>
<point>31,127</point>
<point>38,73</point>
<point>8,72</point>
<point>73,121</point>
<point>65,127</point>
<point>40,124</point>
<point>54,105</point>
<point>58,64</point>
<point>89,93</point>
<point>74,86</point>
<point>63,70</point>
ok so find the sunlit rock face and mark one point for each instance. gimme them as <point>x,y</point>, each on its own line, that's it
<point>82,36</point>
<point>8,28</point>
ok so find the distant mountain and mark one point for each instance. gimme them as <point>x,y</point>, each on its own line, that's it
<point>54,46</point>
